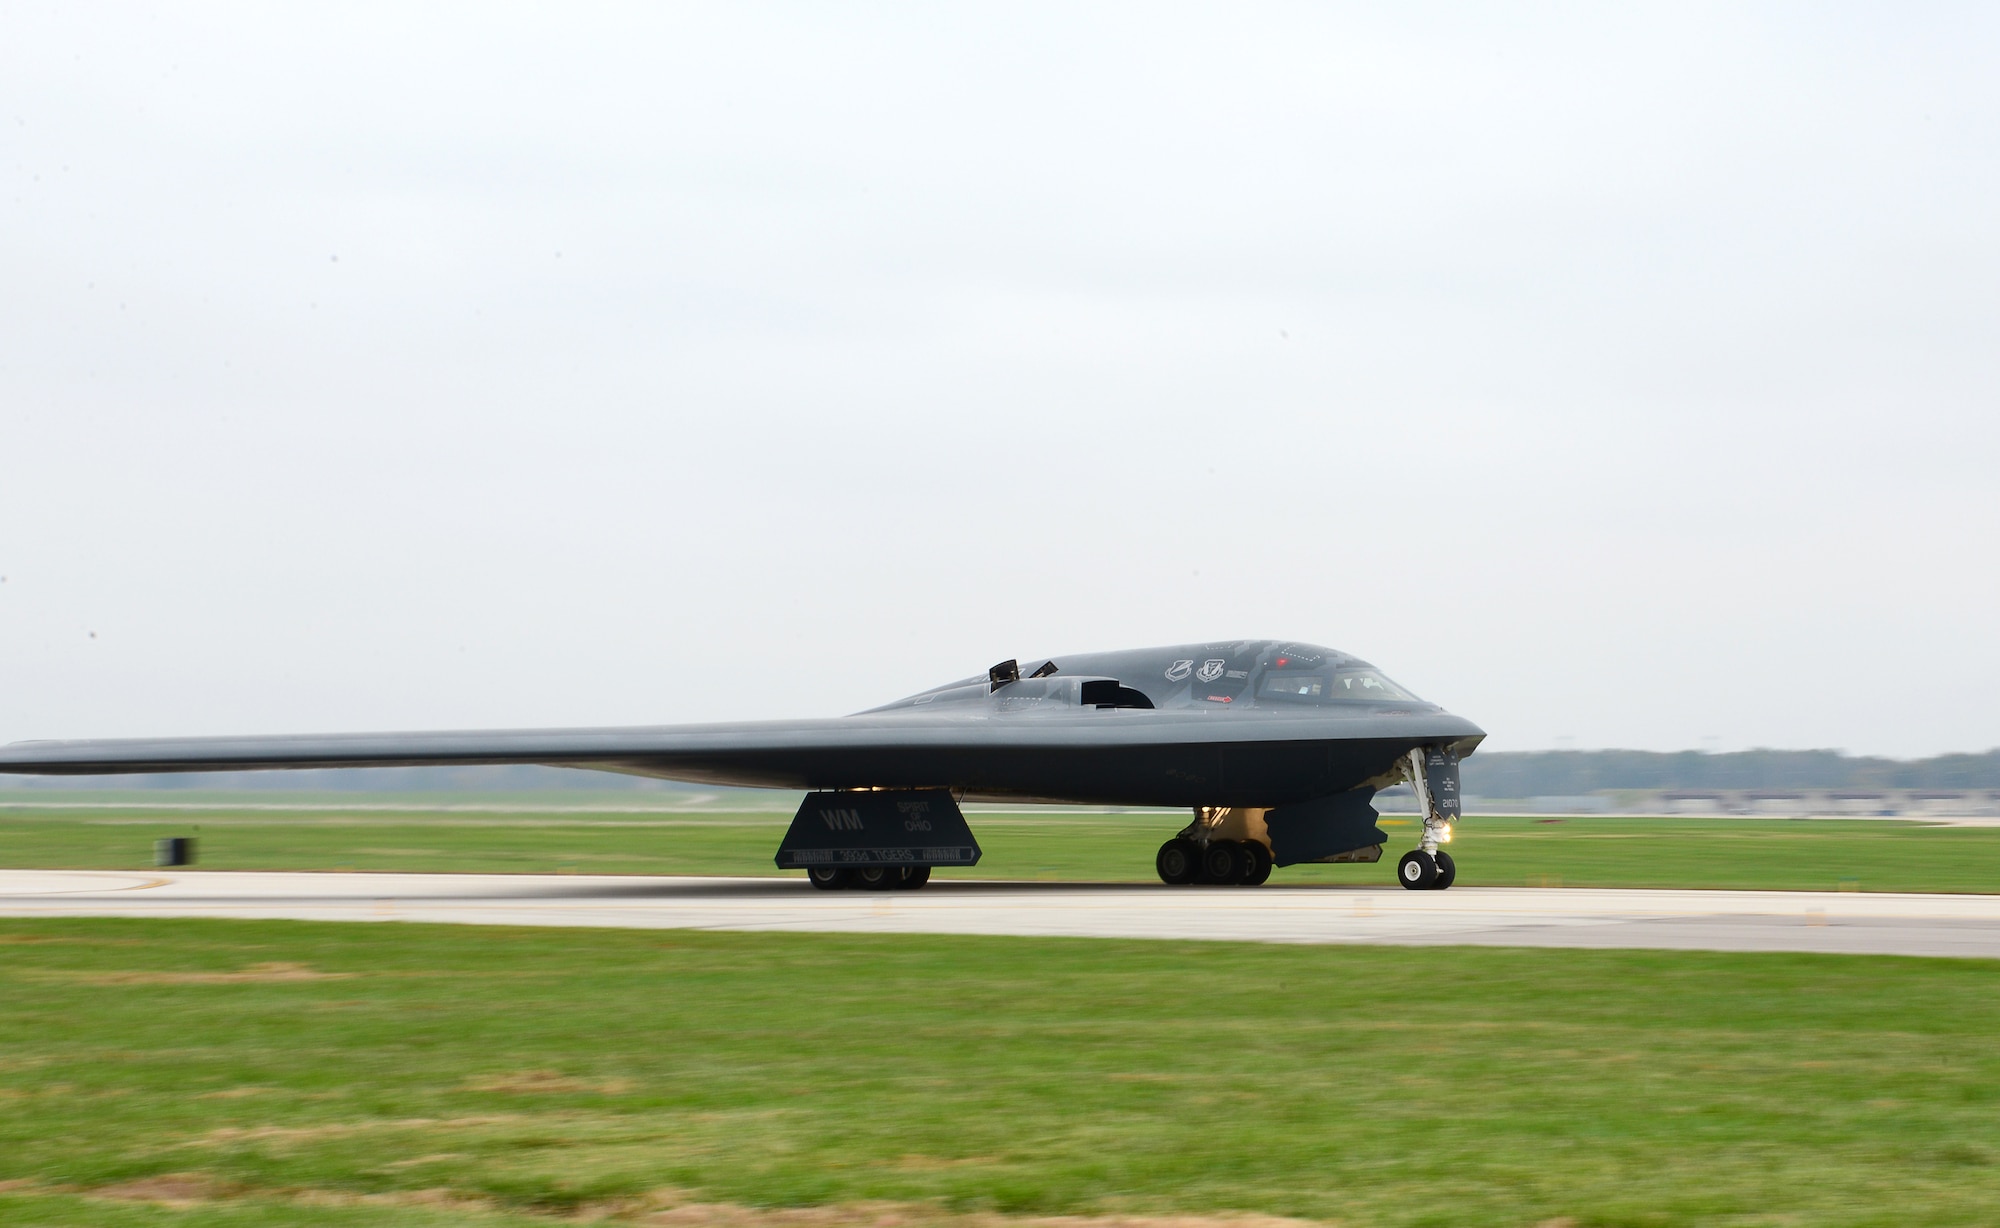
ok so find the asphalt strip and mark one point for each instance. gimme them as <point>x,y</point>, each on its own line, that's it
<point>1812,921</point>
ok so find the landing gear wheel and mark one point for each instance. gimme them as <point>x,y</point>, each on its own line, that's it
<point>1256,864</point>
<point>1418,870</point>
<point>1179,861</point>
<point>1447,871</point>
<point>878,878</point>
<point>914,877</point>
<point>830,878</point>
<point>1222,862</point>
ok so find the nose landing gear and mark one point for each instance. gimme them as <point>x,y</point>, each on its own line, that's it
<point>1421,871</point>
<point>1433,774</point>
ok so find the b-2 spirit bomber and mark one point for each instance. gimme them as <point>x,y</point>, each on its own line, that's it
<point>1278,749</point>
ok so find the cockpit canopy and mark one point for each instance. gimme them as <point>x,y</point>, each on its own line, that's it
<point>1235,674</point>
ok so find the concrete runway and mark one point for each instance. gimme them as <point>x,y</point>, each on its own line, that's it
<point>1957,925</point>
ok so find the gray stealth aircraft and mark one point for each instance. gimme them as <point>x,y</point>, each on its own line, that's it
<point>1277,747</point>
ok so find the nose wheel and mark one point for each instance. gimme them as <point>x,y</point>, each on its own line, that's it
<point>1421,871</point>
<point>1433,776</point>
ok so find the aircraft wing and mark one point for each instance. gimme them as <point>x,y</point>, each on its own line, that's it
<point>612,748</point>
<point>1081,755</point>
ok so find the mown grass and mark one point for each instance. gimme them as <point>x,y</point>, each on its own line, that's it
<point>1864,855</point>
<point>295,1073</point>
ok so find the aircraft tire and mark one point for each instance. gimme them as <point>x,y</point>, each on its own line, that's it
<point>1417,871</point>
<point>878,878</point>
<point>1222,862</point>
<point>830,878</point>
<point>1447,871</point>
<point>1178,862</point>
<point>913,878</point>
<point>1256,864</point>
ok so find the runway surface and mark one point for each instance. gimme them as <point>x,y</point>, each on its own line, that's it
<point>1958,925</point>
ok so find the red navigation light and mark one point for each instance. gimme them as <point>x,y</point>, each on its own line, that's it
<point>1283,661</point>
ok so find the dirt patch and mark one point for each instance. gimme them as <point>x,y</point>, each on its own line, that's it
<point>170,1189</point>
<point>182,1191</point>
<point>414,1161</point>
<point>450,1200</point>
<point>921,1163</point>
<point>533,1082</point>
<point>254,974</point>
<point>903,1215</point>
<point>662,1209</point>
<point>341,1129</point>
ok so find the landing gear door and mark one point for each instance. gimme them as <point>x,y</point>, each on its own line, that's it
<point>904,827</point>
<point>1337,828</point>
<point>1441,781</point>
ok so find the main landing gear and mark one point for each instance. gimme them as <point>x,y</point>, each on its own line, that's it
<point>869,878</point>
<point>1221,847</point>
<point>1242,863</point>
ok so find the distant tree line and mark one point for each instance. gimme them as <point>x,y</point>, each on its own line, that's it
<point>1570,773</point>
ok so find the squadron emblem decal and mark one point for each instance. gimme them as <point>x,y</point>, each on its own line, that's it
<point>1179,670</point>
<point>1211,670</point>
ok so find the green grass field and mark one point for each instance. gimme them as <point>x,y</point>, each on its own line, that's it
<point>1870,855</point>
<point>196,1072</point>
<point>294,1073</point>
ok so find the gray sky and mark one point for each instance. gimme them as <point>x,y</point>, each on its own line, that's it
<point>1613,375</point>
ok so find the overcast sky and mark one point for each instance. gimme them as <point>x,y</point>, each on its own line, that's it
<point>1613,375</point>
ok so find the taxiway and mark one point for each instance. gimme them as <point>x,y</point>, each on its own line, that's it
<point>1845,922</point>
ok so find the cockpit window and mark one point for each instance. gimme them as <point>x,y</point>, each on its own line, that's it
<point>1292,686</point>
<point>1366,684</point>
<point>1284,686</point>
